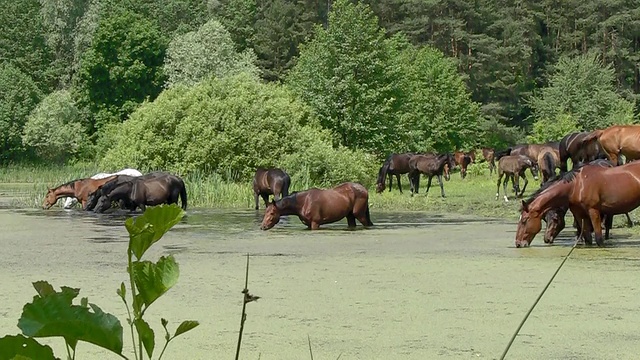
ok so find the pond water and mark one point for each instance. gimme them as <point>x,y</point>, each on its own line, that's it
<point>415,286</point>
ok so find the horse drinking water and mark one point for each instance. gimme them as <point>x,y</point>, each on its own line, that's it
<point>315,207</point>
<point>79,189</point>
<point>267,182</point>
<point>71,201</point>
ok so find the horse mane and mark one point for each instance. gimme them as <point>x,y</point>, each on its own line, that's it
<point>71,184</point>
<point>567,177</point>
<point>498,154</point>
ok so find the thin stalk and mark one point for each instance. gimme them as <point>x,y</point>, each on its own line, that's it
<point>244,307</point>
<point>164,348</point>
<point>133,297</point>
<point>68,350</point>
<point>310,351</point>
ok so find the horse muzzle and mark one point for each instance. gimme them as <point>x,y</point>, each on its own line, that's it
<point>522,243</point>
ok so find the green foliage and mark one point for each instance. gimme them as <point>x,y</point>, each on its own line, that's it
<point>52,313</point>
<point>238,16</point>
<point>19,347</point>
<point>208,51</point>
<point>19,95</point>
<point>122,67</point>
<point>438,113</point>
<point>545,130</point>
<point>496,135</point>
<point>583,87</point>
<point>54,128</point>
<point>347,75</point>
<point>227,126</point>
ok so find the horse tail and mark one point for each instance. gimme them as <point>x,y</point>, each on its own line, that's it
<point>549,163</point>
<point>593,135</point>
<point>368,216</point>
<point>499,154</point>
<point>285,186</point>
<point>183,196</point>
<point>382,173</point>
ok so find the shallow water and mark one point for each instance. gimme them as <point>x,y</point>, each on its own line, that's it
<point>415,286</point>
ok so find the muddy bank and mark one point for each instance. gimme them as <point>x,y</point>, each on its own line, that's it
<point>415,287</point>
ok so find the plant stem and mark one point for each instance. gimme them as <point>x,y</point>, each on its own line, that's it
<point>310,351</point>
<point>68,350</point>
<point>164,348</point>
<point>244,306</point>
<point>133,297</point>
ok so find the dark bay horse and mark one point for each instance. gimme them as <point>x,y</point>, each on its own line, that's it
<point>618,140</point>
<point>430,165</point>
<point>315,207</point>
<point>589,192</point>
<point>489,156</point>
<point>271,181</point>
<point>79,189</point>
<point>514,167</point>
<point>142,192</point>
<point>532,150</point>
<point>548,161</point>
<point>463,160</point>
<point>395,164</point>
<point>107,187</point>
<point>580,147</point>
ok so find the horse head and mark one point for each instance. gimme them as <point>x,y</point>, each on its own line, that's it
<point>271,216</point>
<point>50,199</point>
<point>380,187</point>
<point>555,224</point>
<point>529,225</point>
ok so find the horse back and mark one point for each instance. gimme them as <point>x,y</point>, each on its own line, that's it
<point>610,189</point>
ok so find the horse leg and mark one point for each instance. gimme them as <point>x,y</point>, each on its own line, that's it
<point>426,192</point>
<point>441,185</point>
<point>314,225</point>
<point>498,186</point>
<point>351,221</point>
<point>608,224</point>
<point>412,185</point>
<point>596,223</point>
<point>629,222</point>
<point>257,198</point>
<point>390,181</point>
<point>525,184</point>
<point>398,180</point>
<point>504,186</point>
<point>265,197</point>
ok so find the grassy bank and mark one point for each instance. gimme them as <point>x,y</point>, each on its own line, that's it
<point>475,195</point>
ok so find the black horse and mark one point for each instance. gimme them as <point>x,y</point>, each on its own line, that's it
<point>141,192</point>
<point>430,165</point>
<point>267,182</point>
<point>106,188</point>
<point>580,148</point>
<point>395,164</point>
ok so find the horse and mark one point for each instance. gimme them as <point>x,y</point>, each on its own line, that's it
<point>105,189</point>
<point>588,193</point>
<point>395,164</point>
<point>532,150</point>
<point>315,207</point>
<point>272,181</point>
<point>580,147</point>
<point>71,201</point>
<point>548,160</point>
<point>555,217</point>
<point>514,166</point>
<point>618,140</point>
<point>430,165</point>
<point>463,160</point>
<point>160,188</point>
<point>501,153</point>
<point>79,189</point>
<point>489,156</point>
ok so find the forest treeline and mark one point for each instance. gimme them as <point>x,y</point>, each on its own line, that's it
<point>322,87</point>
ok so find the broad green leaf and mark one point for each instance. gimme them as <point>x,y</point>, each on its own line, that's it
<point>186,326</point>
<point>153,280</point>
<point>149,227</point>
<point>146,335</point>
<point>20,347</point>
<point>55,315</point>
<point>43,288</point>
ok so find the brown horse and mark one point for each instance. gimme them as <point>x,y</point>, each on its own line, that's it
<point>79,189</point>
<point>270,182</point>
<point>555,217</point>
<point>588,192</point>
<point>463,160</point>
<point>489,156</point>
<point>162,188</point>
<point>430,165</point>
<point>514,166</point>
<point>548,161</point>
<point>619,140</point>
<point>580,147</point>
<point>395,164</point>
<point>532,150</point>
<point>316,207</point>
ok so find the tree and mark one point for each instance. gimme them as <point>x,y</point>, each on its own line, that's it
<point>346,74</point>
<point>209,51</point>
<point>53,129</point>
<point>18,96</point>
<point>583,88</point>
<point>239,17</point>
<point>122,67</point>
<point>437,111</point>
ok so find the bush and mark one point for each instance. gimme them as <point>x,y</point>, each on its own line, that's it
<point>53,129</point>
<point>545,130</point>
<point>229,127</point>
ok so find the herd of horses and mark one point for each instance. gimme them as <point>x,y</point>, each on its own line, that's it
<point>597,187</point>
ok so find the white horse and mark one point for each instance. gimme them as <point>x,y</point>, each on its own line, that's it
<point>71,201</point>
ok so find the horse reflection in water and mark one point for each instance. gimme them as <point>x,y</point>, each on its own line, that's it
<point>315,207</point>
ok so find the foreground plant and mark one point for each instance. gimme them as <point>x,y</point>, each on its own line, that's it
<point>53,314</point>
